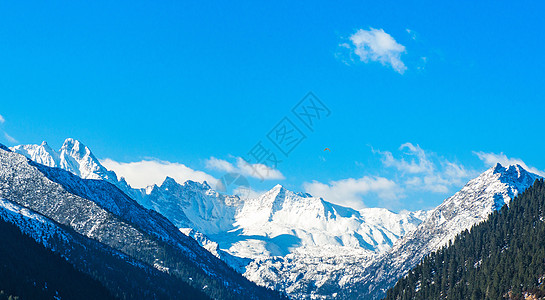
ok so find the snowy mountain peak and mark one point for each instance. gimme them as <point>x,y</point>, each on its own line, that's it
<point>282,190</point>
<point>278,187</point>
<point>197,185</point>
<point>514,171</point>
<point>504,182</point>
<point>73,156</point>
<point>169,181</point>
<point>70,143</point>
<point>518,172</point>
<point>76,149</point>
<point>279,191</point>
<point>490,191</point>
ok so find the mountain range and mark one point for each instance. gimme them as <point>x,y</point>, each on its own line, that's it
<point>69,215</point>
<point>291,242</point>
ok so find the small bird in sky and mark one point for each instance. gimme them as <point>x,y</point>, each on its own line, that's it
<point>327,149</point>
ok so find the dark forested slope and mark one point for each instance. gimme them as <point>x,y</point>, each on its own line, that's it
<point>30,271</point>
<point>503,257</point>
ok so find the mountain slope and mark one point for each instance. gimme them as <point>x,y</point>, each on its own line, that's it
<point>197,206</point>
<point>103,263</point>
<point>30,271</point>
<point>471,205</point>
<point>98,210</point>
<point>77,159</point>
<point>310,248</point>
<point>503,257</point>
<point>237,231</point>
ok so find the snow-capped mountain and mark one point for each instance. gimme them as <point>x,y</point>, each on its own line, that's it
<point>284,222</point>
<point>193,205</point>
<point>280,226</point>
<point>310,221</point>
<point>306,246</point>
<point>490,191</point>
<point>297,241</point>
<point>96,210</point>
<point>77,159</point>
<point>73,157</point>
<point>88,255</point>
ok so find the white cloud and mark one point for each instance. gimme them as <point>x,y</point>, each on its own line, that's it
<point>259,171</point>
<point>350,192</point>
<point>147,172</point>
<point>219,164</point>
<point>422,170</point>
<point>415,170</point>
<point>377,45</point>
<point>10,138</point>
<point>490,159</point>
<point>418,161</point>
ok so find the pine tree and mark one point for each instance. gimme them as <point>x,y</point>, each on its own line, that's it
<point>503,256</point>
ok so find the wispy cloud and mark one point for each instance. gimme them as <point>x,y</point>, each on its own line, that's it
<point>220,165</point>
<point>424,170</point>
<point>490,159</point>
<point>8,137</point>
<point>147,172</point>
<point>415,170</point>
<point>412,33</point>
<point>240,166</point>
<point>376,45</point>
<point>351,191</point>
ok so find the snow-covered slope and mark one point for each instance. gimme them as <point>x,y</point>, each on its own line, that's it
<point>77,159</point>
<point>97,210</point>
<point>193,205</point>
<point>298,241</point>
<point>281,239</point>
<point>472,204</point>
<point>73,157</point>
<point>292,230</point>
<point>283,222</point>
<point>311,221</point>
<point>311,248</point>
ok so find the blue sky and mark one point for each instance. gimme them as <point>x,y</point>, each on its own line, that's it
<point>416,90</point>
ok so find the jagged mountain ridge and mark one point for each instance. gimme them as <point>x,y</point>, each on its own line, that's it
<point>313,249</point>
<point>252,234</point>
<point>500,258</point>
<point>77,159</point>
<point>473,204</point>
<point>197,206</point>
<point>100,211</point>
